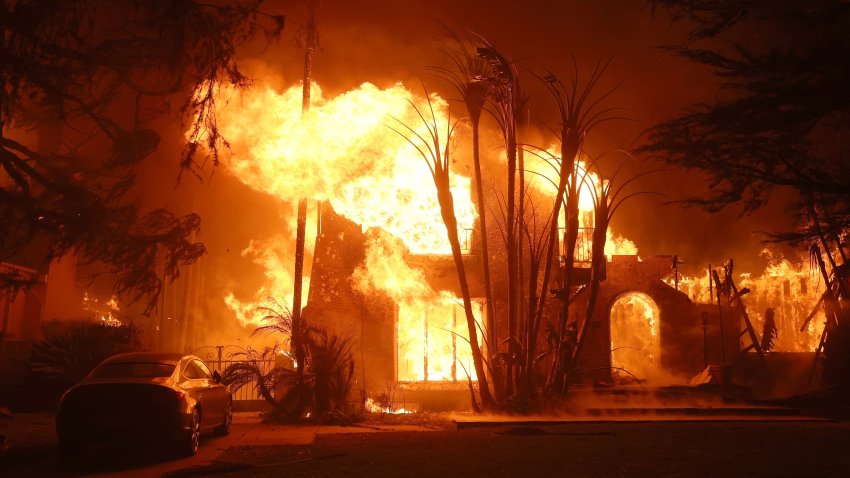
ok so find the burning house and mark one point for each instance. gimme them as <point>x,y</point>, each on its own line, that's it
<point>413,348</point>
<point>383,272</point>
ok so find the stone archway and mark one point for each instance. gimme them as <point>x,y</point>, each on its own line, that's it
<point>635,336</point>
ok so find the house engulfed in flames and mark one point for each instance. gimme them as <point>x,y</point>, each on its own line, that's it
<point>382,270</point>
<point>413,346</point>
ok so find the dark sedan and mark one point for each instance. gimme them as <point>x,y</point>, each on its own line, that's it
<point>150,397</point>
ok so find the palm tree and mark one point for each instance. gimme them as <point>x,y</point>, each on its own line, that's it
<point>578,115</point>
<point>324,365</point>
<point>300,231</point>
<point>468,78</point>
<point>435,151</point>
<point>505,100</point>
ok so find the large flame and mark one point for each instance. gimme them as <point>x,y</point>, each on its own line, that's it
<point>635,345</point>
<point>789,288</point>
<point>347,151</point>
<point>544,179</point>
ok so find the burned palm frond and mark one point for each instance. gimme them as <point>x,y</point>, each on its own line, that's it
<point>769,332</point>
<point>467,75</point>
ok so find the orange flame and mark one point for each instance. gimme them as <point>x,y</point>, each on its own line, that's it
<point>788,288</point>
<point>345,151</point>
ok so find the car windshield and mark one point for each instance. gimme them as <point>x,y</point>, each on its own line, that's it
<point>133,370</point>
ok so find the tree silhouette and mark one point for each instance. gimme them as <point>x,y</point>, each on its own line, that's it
<point>91,77</point>
<point>781,121</point>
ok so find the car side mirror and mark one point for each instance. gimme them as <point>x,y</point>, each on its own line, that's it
<point>216,377</point>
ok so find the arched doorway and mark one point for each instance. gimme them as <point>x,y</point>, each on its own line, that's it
<point>635,339</point>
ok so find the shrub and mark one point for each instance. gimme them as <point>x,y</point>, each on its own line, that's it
<point>70,350</point>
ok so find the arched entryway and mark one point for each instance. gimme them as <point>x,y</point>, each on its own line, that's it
<point>635,337</point>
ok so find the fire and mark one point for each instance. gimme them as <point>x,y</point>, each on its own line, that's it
<point>790,289</point>
<point>106,312</point>
<point>374,407</point>
<point>431,328</point>
<point>635,345</point>
<point>544,179</point>
<point>344,151</point>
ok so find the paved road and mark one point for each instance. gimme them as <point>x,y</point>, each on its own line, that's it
<point>615,449</point>
<point>656,449</point>
<point>39,456</point>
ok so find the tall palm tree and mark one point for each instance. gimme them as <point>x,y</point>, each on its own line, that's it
<point>578,114</point>
<point>468,78</point>
<point>505,99</point>
<point>310,38</point>
<point>436,153</point>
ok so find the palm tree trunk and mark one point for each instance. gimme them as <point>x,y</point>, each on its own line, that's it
<point>485,242</point>
<point>300,232</point>
<point>510,230</point>
<point>444,197</point>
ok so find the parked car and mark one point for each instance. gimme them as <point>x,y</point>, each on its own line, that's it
<point>148,397</point>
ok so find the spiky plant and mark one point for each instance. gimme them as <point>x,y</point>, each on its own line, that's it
<point>248,370</point>
<point>606,202</point>
<point>579,113</point>
<point>504,99</point>
<point>769,332</point>
<point>279,321</point>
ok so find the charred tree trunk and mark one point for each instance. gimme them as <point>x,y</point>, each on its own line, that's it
<point>570,147</point>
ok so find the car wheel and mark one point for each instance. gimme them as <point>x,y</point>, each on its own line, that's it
<point>193,440</point>
<point>224,428</point>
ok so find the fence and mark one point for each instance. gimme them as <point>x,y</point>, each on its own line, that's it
<point>219,357</point>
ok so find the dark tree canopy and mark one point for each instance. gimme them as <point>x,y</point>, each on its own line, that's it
<point>781,117</point>
<point>82,83</point>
